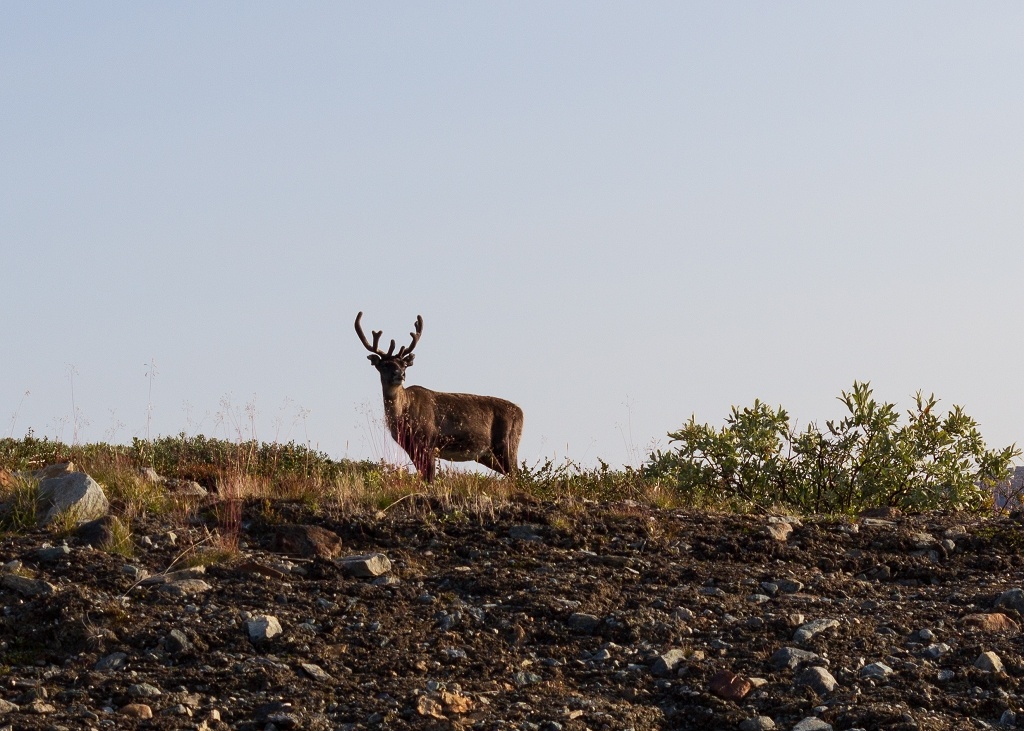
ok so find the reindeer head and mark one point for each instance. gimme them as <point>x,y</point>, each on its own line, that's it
<point>390,365</point>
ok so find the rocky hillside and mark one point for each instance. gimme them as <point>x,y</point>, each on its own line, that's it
<point>527,615</point>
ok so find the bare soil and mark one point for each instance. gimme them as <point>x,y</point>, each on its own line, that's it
<point>532,615</point>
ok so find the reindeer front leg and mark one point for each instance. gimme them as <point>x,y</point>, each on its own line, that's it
<point>420,450</point>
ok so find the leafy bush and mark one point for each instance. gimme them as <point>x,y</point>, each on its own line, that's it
<point>866,459</point>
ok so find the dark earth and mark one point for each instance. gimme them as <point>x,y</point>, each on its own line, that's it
<point>527,615</point>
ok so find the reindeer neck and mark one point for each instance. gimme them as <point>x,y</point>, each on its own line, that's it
<point>396,401</point>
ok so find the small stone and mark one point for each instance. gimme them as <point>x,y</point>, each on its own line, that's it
<point>881,511</point>
<point>524,677</point>
<point>137,710</point>
<point>759,598</point>
<point>812,724</point>
<point>59,469</point>
<point>944,676</point>
<point>819,679</point>
<point>307,540</point>
<point>49,554</point>
<point>809,630</point>
<point>779,531</point>
<point>169,578</point>
<point>144,690</point>
<point>989,662</point>
<point>97,532</point>
<point>1008,719</point>
<point>925,635</point>
<point>366,566</point>
<point>789,586</point>
<point>875,670</point>
<point>263,627</point>
<point>937,650</point>
<point>135,573</point>
<point>922,540</point>
<point>757,723</point>
<point>8,707</point>
<point>177,642</point>
<point>41,707</point>
<point>316,672</point>
<point>427,706</point>
<point>791,657</point>
<point>27,587</point>
<point>113,661</point>
<point>186,489</point>
<point>729,686</point>
<point>267,712</point>
<point>456,703</point>
<point>1014,599</point>
<point>185,587</point>
<point>994,622</point>
<point>583,623</point>
<point>524,533</point>
<point>667,663</point>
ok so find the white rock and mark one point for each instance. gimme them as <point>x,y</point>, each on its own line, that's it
<point>71,492</point>
<point>875,670</point>
<point>812,724</point>
<point>263,627</point>
<point>809,630</point>
<point>370,565</point>
<point>989,662</point>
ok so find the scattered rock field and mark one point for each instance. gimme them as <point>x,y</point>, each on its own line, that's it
<point>540,616</point>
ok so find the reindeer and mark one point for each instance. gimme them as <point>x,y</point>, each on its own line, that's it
<point>460,427</point>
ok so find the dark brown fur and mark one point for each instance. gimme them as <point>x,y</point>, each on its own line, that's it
<point>428,424</point>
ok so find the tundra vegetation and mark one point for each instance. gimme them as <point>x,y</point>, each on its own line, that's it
<point>872,456</point>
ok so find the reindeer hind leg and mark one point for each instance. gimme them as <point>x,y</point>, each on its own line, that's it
<point>506,443</point>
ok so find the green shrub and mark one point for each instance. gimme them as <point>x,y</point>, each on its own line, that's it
<point>866,459</point>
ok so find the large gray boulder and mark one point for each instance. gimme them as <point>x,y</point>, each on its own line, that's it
<point>76,492</point>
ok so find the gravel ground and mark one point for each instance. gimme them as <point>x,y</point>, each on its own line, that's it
<point>536,616</point>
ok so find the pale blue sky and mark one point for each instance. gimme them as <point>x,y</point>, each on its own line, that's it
<point>616,215</point>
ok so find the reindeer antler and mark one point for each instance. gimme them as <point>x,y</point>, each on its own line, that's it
<point>376,338</point>
<point>403,351</point>
<point>375,348</point>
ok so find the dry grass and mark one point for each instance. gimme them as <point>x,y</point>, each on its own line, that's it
<point>285,474</point>
<point>18,504</point>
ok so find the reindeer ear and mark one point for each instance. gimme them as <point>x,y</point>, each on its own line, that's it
<point>408,359</point>
<point>374,360</point>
